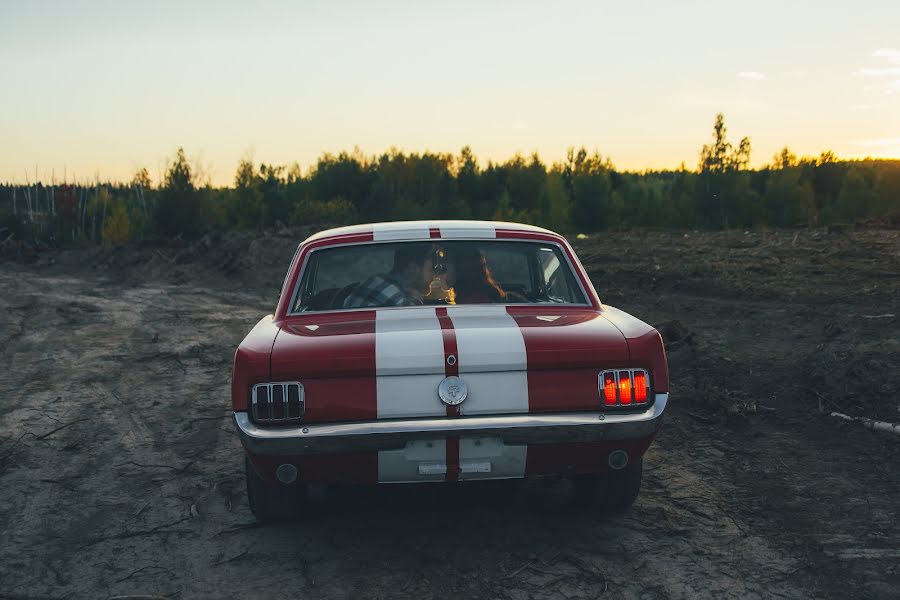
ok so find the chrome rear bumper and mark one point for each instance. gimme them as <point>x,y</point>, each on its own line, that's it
<point>367,436</point>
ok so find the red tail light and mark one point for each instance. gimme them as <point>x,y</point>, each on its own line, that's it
<point>609,388</point>
<point>640,386</point>
<point>624,387</point>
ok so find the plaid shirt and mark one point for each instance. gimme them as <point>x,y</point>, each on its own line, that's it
<point>379,290</point>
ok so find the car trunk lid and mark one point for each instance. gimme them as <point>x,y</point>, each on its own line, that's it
<point>388,363</point>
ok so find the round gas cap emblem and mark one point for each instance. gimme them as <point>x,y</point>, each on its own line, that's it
<point>452,390</point>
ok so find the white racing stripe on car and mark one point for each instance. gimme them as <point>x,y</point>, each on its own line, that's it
<point>409,359</point>
<point>409,362</point>
<point>492,360</point>
<point>409,366</point>
<point>469,230</point>
<point>400,231</point>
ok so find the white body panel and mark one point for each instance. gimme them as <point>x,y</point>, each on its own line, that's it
<point>400,231</point>
<point>409,363</point>
<point>492,360</point>
<point>469,230</point>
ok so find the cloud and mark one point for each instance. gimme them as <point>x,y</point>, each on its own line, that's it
<point>886,72</point>
<point>886,147</point>
<point>860,107</point>
<point>891,54</point>
<point>893,58</point>
<point>754,75</point>
<point>880,142</point>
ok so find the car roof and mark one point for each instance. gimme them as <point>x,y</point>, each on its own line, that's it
<point>415,230</point>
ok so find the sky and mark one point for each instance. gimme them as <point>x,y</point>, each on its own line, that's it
<point>107,87</point>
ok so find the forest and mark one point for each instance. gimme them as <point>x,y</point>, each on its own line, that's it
<point>584,193</point>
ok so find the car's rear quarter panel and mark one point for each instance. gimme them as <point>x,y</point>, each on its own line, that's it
<point>251,361</point>
<point>645,346</point>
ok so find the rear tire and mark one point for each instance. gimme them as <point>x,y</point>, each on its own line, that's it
<point>273,503</point>
<point>614,491</point>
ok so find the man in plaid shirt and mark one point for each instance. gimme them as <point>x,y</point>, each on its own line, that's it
<point>405,285</point>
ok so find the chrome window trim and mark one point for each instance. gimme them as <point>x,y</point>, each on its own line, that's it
<point>293,300</point>
<point>290,268</point>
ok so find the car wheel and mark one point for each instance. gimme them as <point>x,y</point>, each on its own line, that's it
<point>273,503</point>
<point>614,491</point>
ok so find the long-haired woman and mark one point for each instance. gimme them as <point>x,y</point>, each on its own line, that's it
<point>471,278</point>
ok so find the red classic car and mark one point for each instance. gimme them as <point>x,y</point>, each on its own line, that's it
<point>444,351</point>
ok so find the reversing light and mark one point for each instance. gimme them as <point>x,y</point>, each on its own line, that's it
<point>609,388</point>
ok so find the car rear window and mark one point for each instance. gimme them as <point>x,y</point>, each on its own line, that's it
<point>437,272</point>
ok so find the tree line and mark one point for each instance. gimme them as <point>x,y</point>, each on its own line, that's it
<point>582,193</point>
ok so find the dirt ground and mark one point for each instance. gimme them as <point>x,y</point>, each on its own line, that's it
<point>121,473</point>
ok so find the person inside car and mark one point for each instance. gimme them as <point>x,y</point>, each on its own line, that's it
<point>406,283</point>
<point>470,277</point>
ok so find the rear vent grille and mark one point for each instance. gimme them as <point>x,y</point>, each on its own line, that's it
<point>624,387</point>
<point>277,402</point>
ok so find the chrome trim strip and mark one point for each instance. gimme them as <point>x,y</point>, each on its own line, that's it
<point>324,438</point>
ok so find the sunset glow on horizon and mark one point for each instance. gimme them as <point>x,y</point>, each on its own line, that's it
<point>105,87</point>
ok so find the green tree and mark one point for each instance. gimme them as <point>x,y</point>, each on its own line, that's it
<point>785,159</point>
<point>557,215</point>
<point>588,180</point>
<point>723,190</point>
<point>141,178</point>
<point>682,202</point>
<point>858,196</point>
<point>336,211</point>
<point>789,195</point>
<point>273,185</point>
<point>505,211</point>
<point>117,226</point>
<point>468,180</point>
<point>245,207</point>
<point>180,210</point>
<point>525,184</point>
